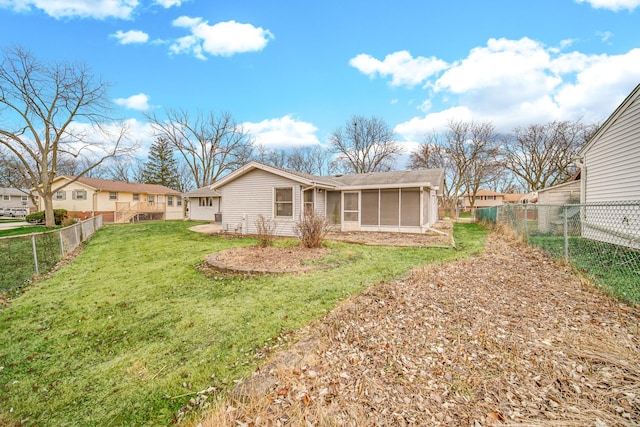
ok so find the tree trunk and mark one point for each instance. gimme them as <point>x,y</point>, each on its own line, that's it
<point>50,220</point>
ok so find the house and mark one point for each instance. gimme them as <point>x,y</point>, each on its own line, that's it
<point>399,201</point>
<point>610,173</point>
<point>482,199</point>
<point>116,201</point>
<point>203,204</point>
<point>15,198</point>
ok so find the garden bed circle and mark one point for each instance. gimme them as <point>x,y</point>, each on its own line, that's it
<point>270,260</point>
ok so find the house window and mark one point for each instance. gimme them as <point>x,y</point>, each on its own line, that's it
<point>284,202</point>
<point>79,195</point>
<point>351,207</point>
<point>178,201</point>
<point>169,200</point>
<point>6,197</point>
<point>491,197</point>
<point>113,195</point>
<point>136,197</point>
<point>60,195</point>
<point>23,198</point>
<point>151,198</point>
<point>308,202</point>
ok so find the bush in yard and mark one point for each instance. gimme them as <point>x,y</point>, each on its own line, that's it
<point>312,229</point>
<point>266,231</point>
<point>39,217</point>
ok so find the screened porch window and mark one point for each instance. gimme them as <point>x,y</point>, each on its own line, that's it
<point>284,202</point>
<point>333,207</point>
<point>370,205</point>
<point>351,207</point>
<point>410,207</point>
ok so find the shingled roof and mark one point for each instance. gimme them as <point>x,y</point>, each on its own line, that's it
<point>121,186</point>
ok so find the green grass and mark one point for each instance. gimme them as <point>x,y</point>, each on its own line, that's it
<point>615,268</point>
<point>27,229</point>
<point>130,330</point>
<point>17,264</point>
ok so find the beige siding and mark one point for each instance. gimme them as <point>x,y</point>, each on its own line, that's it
<point>612,172</point>
<point>560,194</point>
<point>250,195</point>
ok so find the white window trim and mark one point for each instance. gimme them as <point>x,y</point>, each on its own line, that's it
<point>344,206</point>
<point>293,198</point>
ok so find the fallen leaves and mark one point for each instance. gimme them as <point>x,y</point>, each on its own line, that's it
<point>506,337</point>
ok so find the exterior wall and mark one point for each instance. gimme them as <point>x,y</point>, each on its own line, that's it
<point>16,199</point>
<point>98,202</point>
<point>611,170</point>
<point>203,213</point>
<point>251,195</point>
<point>483,203</point>
<point>560,194</point>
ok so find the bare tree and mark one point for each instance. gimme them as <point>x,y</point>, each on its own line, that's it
<point>49,110</point>
<point>210,144</point>
<point>314,160</point>
<point>542,155</point>
<point>467,151</point>
<point>365,145</point>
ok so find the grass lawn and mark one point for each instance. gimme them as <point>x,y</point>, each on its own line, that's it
<point>131,330</point>
<point>26,229</point>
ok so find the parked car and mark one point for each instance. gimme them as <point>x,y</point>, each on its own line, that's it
<point>16,212</point>
<point>1,211</point>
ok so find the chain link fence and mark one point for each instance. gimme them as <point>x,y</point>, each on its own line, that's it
<point>600,239</point>
<point>27,255</point>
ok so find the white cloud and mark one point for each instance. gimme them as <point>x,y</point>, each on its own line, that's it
<point>221,39</point>
<point>169,3</point>
<point>138,102</point>
<point>519,82</point>
<point>131,36</point>
<point>283,132</point>
<point>401,66</point>
<point>614,5</point>
<point>97,9</point>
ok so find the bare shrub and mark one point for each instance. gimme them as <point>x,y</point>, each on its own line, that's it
<point>312,229</point>
<point>266,231</point>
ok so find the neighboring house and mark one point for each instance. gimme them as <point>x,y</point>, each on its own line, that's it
<point>483,199</point>
<point>610,172</point>
<point>203,204</point>
<point>400,201</point>
<point>512,198</point>
<point>116,201</point>
<point>15,198</point>
<point>552,217</point>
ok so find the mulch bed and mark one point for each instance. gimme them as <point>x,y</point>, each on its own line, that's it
<point>253,259</point>
<point>507,337</point>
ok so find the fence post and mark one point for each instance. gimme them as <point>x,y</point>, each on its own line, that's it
<point>526,224</point>
<point>566,233</point>
<point>35,252</point>
<point>61,244</point>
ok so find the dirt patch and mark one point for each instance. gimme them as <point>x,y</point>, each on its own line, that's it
<point>508,336</point>
<point>253,259</point>
<point>439,236</point>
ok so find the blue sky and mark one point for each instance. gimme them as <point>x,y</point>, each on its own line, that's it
<point>294,71</point>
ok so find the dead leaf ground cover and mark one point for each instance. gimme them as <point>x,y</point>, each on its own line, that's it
<point>507,337</point>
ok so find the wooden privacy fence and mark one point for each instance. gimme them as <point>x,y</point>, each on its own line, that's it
<point>27,255</point>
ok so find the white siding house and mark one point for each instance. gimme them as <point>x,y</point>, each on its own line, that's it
<point>203,204</point>
<point>611,159</point>
<point>400,201</point>
<point>610,173</point>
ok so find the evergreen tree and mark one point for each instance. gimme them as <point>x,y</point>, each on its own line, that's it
<point>161,167</point>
